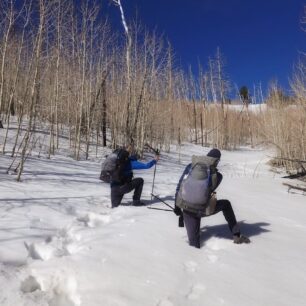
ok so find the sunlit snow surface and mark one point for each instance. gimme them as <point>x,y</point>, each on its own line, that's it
<point>62,245</point>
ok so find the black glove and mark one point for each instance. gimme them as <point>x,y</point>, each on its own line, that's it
<point>177,211</point>
<point>181,221</point>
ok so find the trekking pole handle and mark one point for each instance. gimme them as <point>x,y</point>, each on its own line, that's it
<point>156,151</point>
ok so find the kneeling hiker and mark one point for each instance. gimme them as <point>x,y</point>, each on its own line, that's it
<point>196,197</point>
<point>121,179</point>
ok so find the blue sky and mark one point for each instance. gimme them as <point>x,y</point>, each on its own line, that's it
<point>260,39</point>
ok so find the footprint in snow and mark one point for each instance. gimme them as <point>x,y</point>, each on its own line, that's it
<point>65,243</point>
<point>196,291</point>
<point>30,284</point>
<point>60,286</point>
<point>40,251</point>
<point>212,258</point>
<point>71,210</point>
<point>93,220</point>
<point>217,244</point>
<point>35,222</point>
<point>190,266</point>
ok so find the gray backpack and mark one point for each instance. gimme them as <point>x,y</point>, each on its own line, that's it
<point>108,167</point>
<point>194,192</point>
<point>113,166</point>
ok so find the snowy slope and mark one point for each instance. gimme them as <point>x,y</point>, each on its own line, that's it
<point>62,245</point>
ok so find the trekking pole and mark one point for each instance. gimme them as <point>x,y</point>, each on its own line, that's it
<point>153,182</point>
<point>156,151</point>
<point>153,195</point>
<point>159,209</point>
<point>181,219</point>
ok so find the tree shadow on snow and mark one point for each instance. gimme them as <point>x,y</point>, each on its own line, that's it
<point>14,263</point>
<point>61,205</point>
<point>222,230</point>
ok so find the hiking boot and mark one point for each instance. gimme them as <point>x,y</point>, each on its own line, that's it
<point>137,203</point>
<point>241,239</point>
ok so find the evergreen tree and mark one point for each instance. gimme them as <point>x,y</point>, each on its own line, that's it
<point>244,94</point>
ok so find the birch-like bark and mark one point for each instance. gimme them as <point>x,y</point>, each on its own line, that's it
<point>10,16</point>
<point>27,9</point>
<point>35,84</point>
<point>128,69</point>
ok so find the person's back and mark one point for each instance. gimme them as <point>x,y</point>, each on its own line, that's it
<point>194,190</point>
<point>114,165</point>
<point>192,217</point>
<point>125,183</point>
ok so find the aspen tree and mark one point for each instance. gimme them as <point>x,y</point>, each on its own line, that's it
<point>9,16</point>
<point>128,69</point>
<point>26,9</point>
<point>35,84</point>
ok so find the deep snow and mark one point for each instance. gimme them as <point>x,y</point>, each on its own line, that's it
<point>62,245</point>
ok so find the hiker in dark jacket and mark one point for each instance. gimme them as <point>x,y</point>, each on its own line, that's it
<point>126,183</point>
<point>192,219</point>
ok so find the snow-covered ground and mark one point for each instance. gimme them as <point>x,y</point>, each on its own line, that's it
<point>253,108</point>
<point>62,245</point>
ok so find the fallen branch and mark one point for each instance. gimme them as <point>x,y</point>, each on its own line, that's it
<point>294,187</point>
<point>291,160</point>
<point>300,171</point>
<point>294,176</point>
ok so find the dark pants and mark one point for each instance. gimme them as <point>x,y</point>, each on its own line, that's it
<point>117,192</point>
<point>193,222</point>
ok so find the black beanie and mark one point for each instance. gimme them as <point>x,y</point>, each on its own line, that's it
<point>214,153</point>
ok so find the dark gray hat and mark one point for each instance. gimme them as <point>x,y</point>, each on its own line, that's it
<point>214,153</point>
